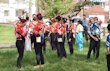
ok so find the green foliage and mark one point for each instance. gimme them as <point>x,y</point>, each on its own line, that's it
<point>57,7</point>
<point>75,62</point>
<point>108,21</point>
<point>80,5</point>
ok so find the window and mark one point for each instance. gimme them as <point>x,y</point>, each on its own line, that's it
<point>6,12</point>
<point>96,3</point>
<point>103,4</point>
<point>19,12</point>
<point>99,3</point>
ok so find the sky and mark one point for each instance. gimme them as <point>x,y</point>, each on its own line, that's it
<point>98,0</point>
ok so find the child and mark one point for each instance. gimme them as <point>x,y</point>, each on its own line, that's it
<point>108,48</point>
<point>79,38</point>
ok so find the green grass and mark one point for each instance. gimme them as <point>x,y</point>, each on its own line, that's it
<point>7,35</point>
<point>75,62</point>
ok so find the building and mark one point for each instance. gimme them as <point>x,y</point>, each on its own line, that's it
<point>100,10</point>
<point>11,9</point>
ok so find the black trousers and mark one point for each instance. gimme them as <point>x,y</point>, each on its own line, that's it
<point>94,44</point>
<point>64,51</point>
<point>39,54</point>
<point>20,47</point>
<point>94,51</point>
<point>108,62</point>
<point>85,33</point>
<point>33,39</point>
<point>67,35</point>
<point>53,43</point>
<point>70,36</point>
<point>60,48</point>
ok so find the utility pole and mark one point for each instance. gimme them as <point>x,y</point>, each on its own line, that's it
<point>18,8</point>
<point>53,1</point>
<point>109,9</point>
<point>81,11</point>
<point>30,10</point>
<point>38,9</point>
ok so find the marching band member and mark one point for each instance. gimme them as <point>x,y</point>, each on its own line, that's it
<point>60,36</point>
<point>20,17</point>
<point>63,21</point>
<point>96,21</point>
<point>94,31</point>
<point>32,25</point>
<point>71,36</point>
<point>38,31</point>
<point>27,21</point>
<point>108,48</point>
<point>67,27</point>
<point>20,35</point>
<point>53,34</point>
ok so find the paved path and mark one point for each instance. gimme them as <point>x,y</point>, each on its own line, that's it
<point>12,46</point>
<point>7,25</point>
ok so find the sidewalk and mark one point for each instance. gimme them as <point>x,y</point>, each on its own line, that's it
<point>7,46</point>
<point>7,25</point>
<point>12,46</point>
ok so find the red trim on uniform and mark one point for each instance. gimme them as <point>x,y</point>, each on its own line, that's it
<point>70,19</point>
<point>39,14</point>
<point>57,15</point>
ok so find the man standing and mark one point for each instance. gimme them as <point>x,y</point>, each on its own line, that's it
<point>94,31</point>
<point>85,21</point>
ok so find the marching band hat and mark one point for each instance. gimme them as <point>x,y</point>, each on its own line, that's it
<point>91,18</point>
<point>39,14</point>
<point>70,19</point>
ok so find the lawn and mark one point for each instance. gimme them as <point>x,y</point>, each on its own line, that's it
<point>75,62</point>
<point>7,35</point>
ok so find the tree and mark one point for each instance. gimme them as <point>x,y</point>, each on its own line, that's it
<point>80,5</point>
<point>56,7</point>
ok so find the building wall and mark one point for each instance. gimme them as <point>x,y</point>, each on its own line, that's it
<point>12,7</point>
<point>98,11</point>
